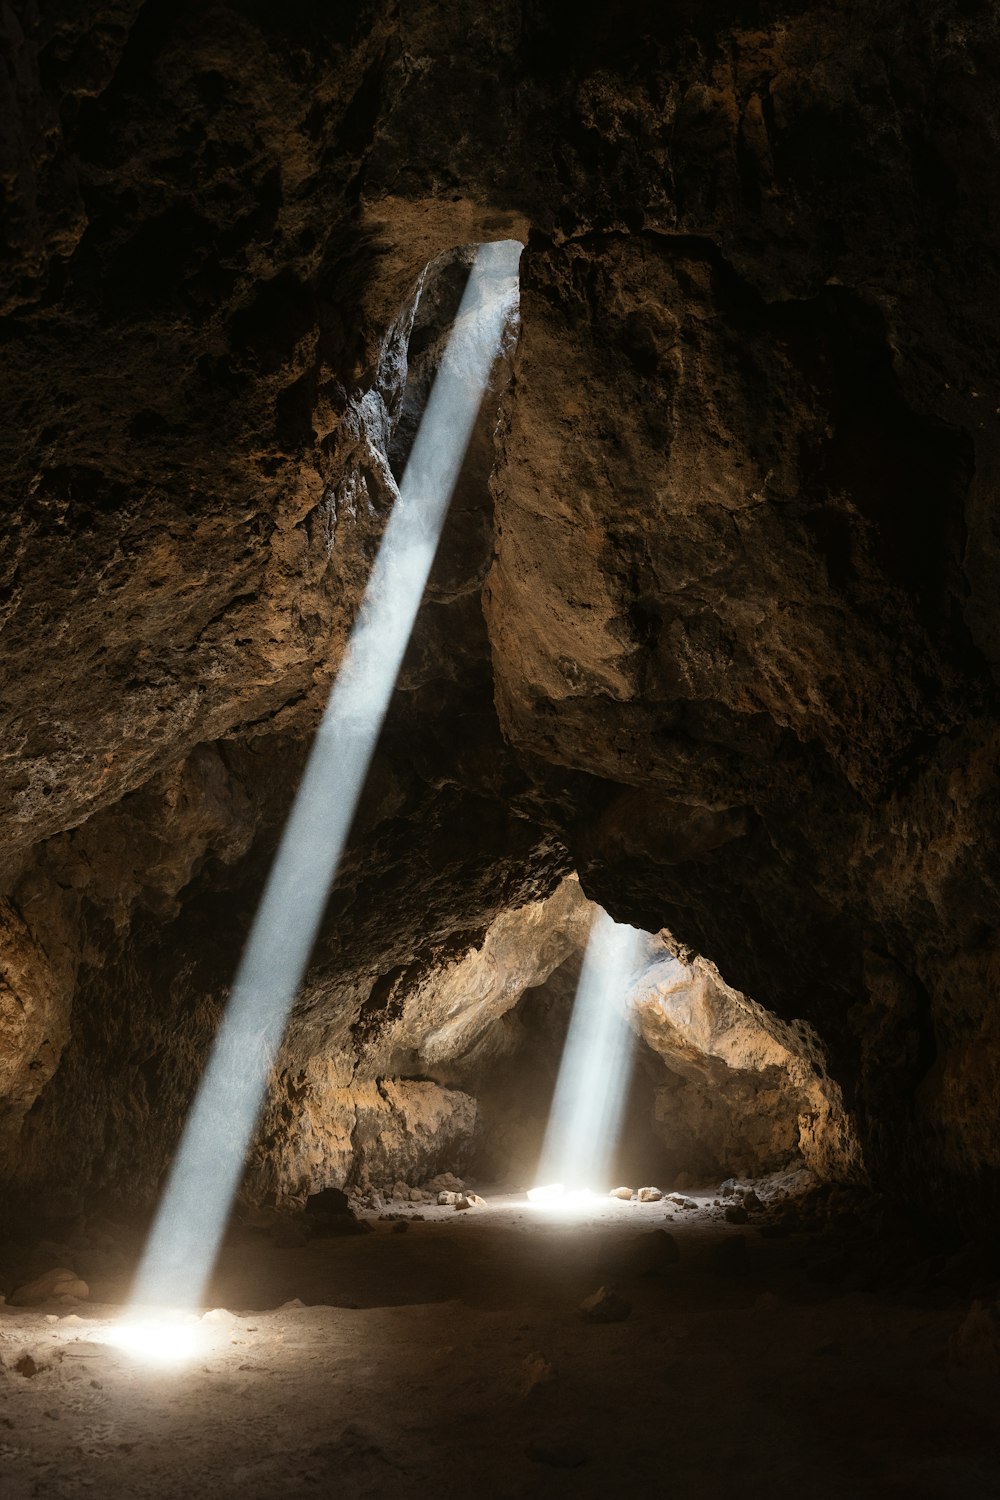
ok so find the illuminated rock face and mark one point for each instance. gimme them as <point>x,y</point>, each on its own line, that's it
<point>746,1093</point>
<point>723,639</point>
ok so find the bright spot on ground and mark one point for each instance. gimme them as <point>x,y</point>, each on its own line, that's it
<point>157,1341</point>
<point>549,1194</point>
<point>554,1195</point>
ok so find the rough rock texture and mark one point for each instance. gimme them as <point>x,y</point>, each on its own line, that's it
<point>747,1093</point>
<point>741,624</point>
<point>364,1107</point>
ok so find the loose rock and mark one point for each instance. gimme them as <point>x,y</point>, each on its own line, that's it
<point>649,1195</point>
<point>975,1345</point>
<point>58,1285</point>
<point>605,1306</point>
<point>445,1182</point>
<point>328,1200</point>
<point>625,1193</point>
<point>537,1370</point>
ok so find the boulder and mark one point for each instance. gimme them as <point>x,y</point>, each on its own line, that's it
<point>58,1285</point>
<point>445,1182</point>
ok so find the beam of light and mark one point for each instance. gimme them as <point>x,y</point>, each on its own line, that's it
<point>184,1240</point>
<point>589,1099</point>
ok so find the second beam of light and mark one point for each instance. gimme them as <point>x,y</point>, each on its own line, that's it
<point>589,1100</point>
<point>184,1241</point>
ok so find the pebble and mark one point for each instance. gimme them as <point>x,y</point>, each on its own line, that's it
<point>975,1344</point>
<point>537,1370</point>
<point>605,1306</point>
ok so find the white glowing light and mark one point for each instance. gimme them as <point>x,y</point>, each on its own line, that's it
<point>549,1194</point>
<point>557,1201</point>
<point>184,1240</point>
<point>589,1100</point>
<point>157,1341</point>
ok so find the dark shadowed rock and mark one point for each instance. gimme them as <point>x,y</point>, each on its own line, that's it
<point>606,1305</point>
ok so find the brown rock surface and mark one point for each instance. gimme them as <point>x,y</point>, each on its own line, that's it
<point>58,1285</point>
<point>741,624</point>
<point>747,1092</point>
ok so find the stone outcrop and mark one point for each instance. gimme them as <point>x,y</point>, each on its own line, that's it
<point>722,636</point>
<point>747,1093</point>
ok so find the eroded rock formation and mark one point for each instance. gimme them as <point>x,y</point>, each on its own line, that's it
<point>734,655</point>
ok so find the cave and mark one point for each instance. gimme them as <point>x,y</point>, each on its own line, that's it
<point>499,741</point>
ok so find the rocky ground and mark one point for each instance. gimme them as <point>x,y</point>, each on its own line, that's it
<point>811,1349</point>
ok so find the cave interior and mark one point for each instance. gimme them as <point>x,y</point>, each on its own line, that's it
<point>500,749</point>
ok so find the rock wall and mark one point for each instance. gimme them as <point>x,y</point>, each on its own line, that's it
<point>735,657</point>
<point>459,1073</point>
<point>747,1093</point>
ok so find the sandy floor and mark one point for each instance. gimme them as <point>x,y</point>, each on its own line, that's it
<point>451,1360</point>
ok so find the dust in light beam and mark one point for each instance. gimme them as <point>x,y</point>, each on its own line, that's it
<point>183,1244</point>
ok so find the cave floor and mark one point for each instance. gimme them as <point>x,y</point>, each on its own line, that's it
<point>452,1360</point>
